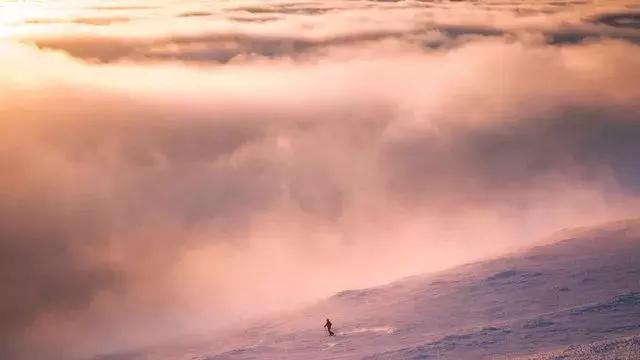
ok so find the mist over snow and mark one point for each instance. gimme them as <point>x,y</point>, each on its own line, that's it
<point>572,296</point>
<point>176,167</point>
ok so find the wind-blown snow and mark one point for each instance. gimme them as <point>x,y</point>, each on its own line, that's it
<point>576,297</point>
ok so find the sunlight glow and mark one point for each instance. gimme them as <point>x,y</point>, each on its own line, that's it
<point>16,14</point>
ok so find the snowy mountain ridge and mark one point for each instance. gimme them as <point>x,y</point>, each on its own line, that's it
<point>570,298</point>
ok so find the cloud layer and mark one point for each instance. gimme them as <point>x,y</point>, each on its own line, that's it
<point>177,167</point>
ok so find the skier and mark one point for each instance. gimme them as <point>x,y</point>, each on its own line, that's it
<point>328,326</point>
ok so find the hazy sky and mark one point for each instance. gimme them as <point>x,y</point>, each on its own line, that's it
<point>173,166</point>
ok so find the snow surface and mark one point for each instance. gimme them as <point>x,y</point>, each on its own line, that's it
<point>574,296</point>
<point>619,349</point>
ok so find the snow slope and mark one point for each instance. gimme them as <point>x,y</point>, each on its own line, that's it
<point>580,289</point>
<point>619,349</point>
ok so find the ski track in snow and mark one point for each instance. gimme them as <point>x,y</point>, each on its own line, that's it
<point>375,329</point>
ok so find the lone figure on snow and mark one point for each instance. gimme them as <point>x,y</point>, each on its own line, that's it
<point>328,326</point>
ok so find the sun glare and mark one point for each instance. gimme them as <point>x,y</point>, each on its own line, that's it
<point>20,10</point>
<point>14,14</point>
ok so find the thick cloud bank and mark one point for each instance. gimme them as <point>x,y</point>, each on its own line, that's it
<point>177,167</point>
